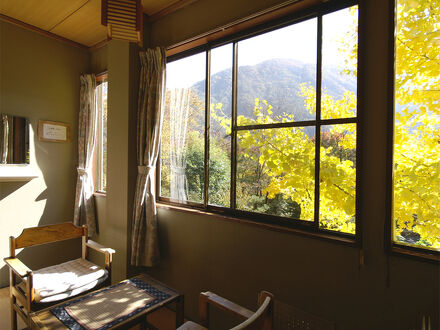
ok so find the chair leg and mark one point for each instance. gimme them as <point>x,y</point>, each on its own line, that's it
<point>29,323</point>
<point>13,314</point>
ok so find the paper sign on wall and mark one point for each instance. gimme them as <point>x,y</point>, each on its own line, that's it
<point>53,131</point>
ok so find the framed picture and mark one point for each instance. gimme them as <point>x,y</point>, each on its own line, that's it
<point>52,131</point>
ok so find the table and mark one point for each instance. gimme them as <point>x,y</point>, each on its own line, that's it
<point>45,319</point>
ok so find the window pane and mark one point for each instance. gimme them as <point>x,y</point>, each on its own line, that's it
<point>416,216</point>
<point>339,63</point>
<point>272,69</point>
<point>220,130</point>
<point>182,146</point>
<point>101,140</point>
<point>337,200</point>
<point>276,172</point>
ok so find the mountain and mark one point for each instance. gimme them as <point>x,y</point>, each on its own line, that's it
<point>279,82</point>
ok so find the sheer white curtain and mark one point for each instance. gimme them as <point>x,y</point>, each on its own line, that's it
<point>84,212</point>
<point>179,110</point>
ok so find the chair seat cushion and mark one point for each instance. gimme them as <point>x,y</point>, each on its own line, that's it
<point>67,279</point>
<point>190,325</point>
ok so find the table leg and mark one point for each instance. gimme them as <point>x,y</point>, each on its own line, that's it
<point>179,311</point>
<point>143,325</point>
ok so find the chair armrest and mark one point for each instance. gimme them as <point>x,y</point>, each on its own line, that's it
<point>209,298</point>
<point>18,267</point>
<point>98,247</point>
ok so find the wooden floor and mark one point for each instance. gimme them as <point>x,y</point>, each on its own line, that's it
<point>163,319</point>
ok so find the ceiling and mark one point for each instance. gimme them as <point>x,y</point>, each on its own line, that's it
<point>76,20</point>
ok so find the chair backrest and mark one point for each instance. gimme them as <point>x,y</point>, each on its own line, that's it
<point>263,317</point>
<point>46,234</point>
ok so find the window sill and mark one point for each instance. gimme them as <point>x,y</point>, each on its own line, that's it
<point>416,254</point>
<point>100,194</point>
<point>319,235</point>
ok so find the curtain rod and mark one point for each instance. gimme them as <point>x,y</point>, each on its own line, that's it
<point>101,73</point>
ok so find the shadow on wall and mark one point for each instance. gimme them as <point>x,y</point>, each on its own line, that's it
<point>45,200</point>
<point>7,188</point>
<point>57,163</point>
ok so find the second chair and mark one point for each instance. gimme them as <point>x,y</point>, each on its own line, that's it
<point>262,319</point>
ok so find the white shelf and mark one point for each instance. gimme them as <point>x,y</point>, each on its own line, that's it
<point>14,173</point>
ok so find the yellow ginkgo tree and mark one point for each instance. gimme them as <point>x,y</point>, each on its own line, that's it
<point>416,186</point>
<point>416,206</point>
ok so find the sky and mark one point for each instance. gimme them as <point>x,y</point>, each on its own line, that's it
<point>296,42</point>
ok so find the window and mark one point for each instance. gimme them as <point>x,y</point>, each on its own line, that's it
<point>266,126</point>
<point>101,134</point>
<point>415,189</point>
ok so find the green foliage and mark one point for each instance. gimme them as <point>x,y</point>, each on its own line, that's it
<point>195,166</point>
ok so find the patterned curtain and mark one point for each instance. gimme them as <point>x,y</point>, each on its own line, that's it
<point>84,203</point>
<point>145,245</point>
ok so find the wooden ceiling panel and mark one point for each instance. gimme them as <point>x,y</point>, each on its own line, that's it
<point>84,26</point>
<point>44,14</point>
<point>74,20</point>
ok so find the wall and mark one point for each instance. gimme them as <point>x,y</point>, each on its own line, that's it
<point>40,80</point>
<point>114,209</point>
<point>201,252</point>
<point>99,60</point>
<point>204,16</point>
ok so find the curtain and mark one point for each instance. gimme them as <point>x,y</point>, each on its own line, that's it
<point>145,245</point>
<point>179,110</point>
<point>84,212</point>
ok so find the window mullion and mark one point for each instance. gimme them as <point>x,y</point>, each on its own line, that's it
<point>207,125</point>
<point>318,119</point>
<point>234,126</point>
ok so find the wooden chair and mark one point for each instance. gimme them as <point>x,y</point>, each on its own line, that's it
<point>31,289</point>
<point>262,319</point>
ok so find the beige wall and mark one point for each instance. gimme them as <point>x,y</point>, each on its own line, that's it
<point>236,260</point>
<point>39,80</point>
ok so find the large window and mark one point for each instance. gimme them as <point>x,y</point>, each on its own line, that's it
<point>266,126</point>
<point>416,147</point>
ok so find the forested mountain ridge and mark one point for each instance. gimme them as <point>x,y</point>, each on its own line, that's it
<point>279,82</point>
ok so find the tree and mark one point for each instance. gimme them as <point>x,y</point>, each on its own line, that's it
<point>417,118</point>
<point>417,121</point>
<point>279,176</point>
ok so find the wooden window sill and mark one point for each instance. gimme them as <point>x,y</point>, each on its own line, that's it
<point>319,235</point>
<point>416,253</point>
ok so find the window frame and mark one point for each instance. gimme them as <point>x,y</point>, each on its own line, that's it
<point>392,247</point>
<point>97,155</point>
<point>310,228</point>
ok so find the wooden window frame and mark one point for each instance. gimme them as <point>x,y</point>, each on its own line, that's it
<point>245,29</point>
<point>392,247</point>
<point>100,78</point>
